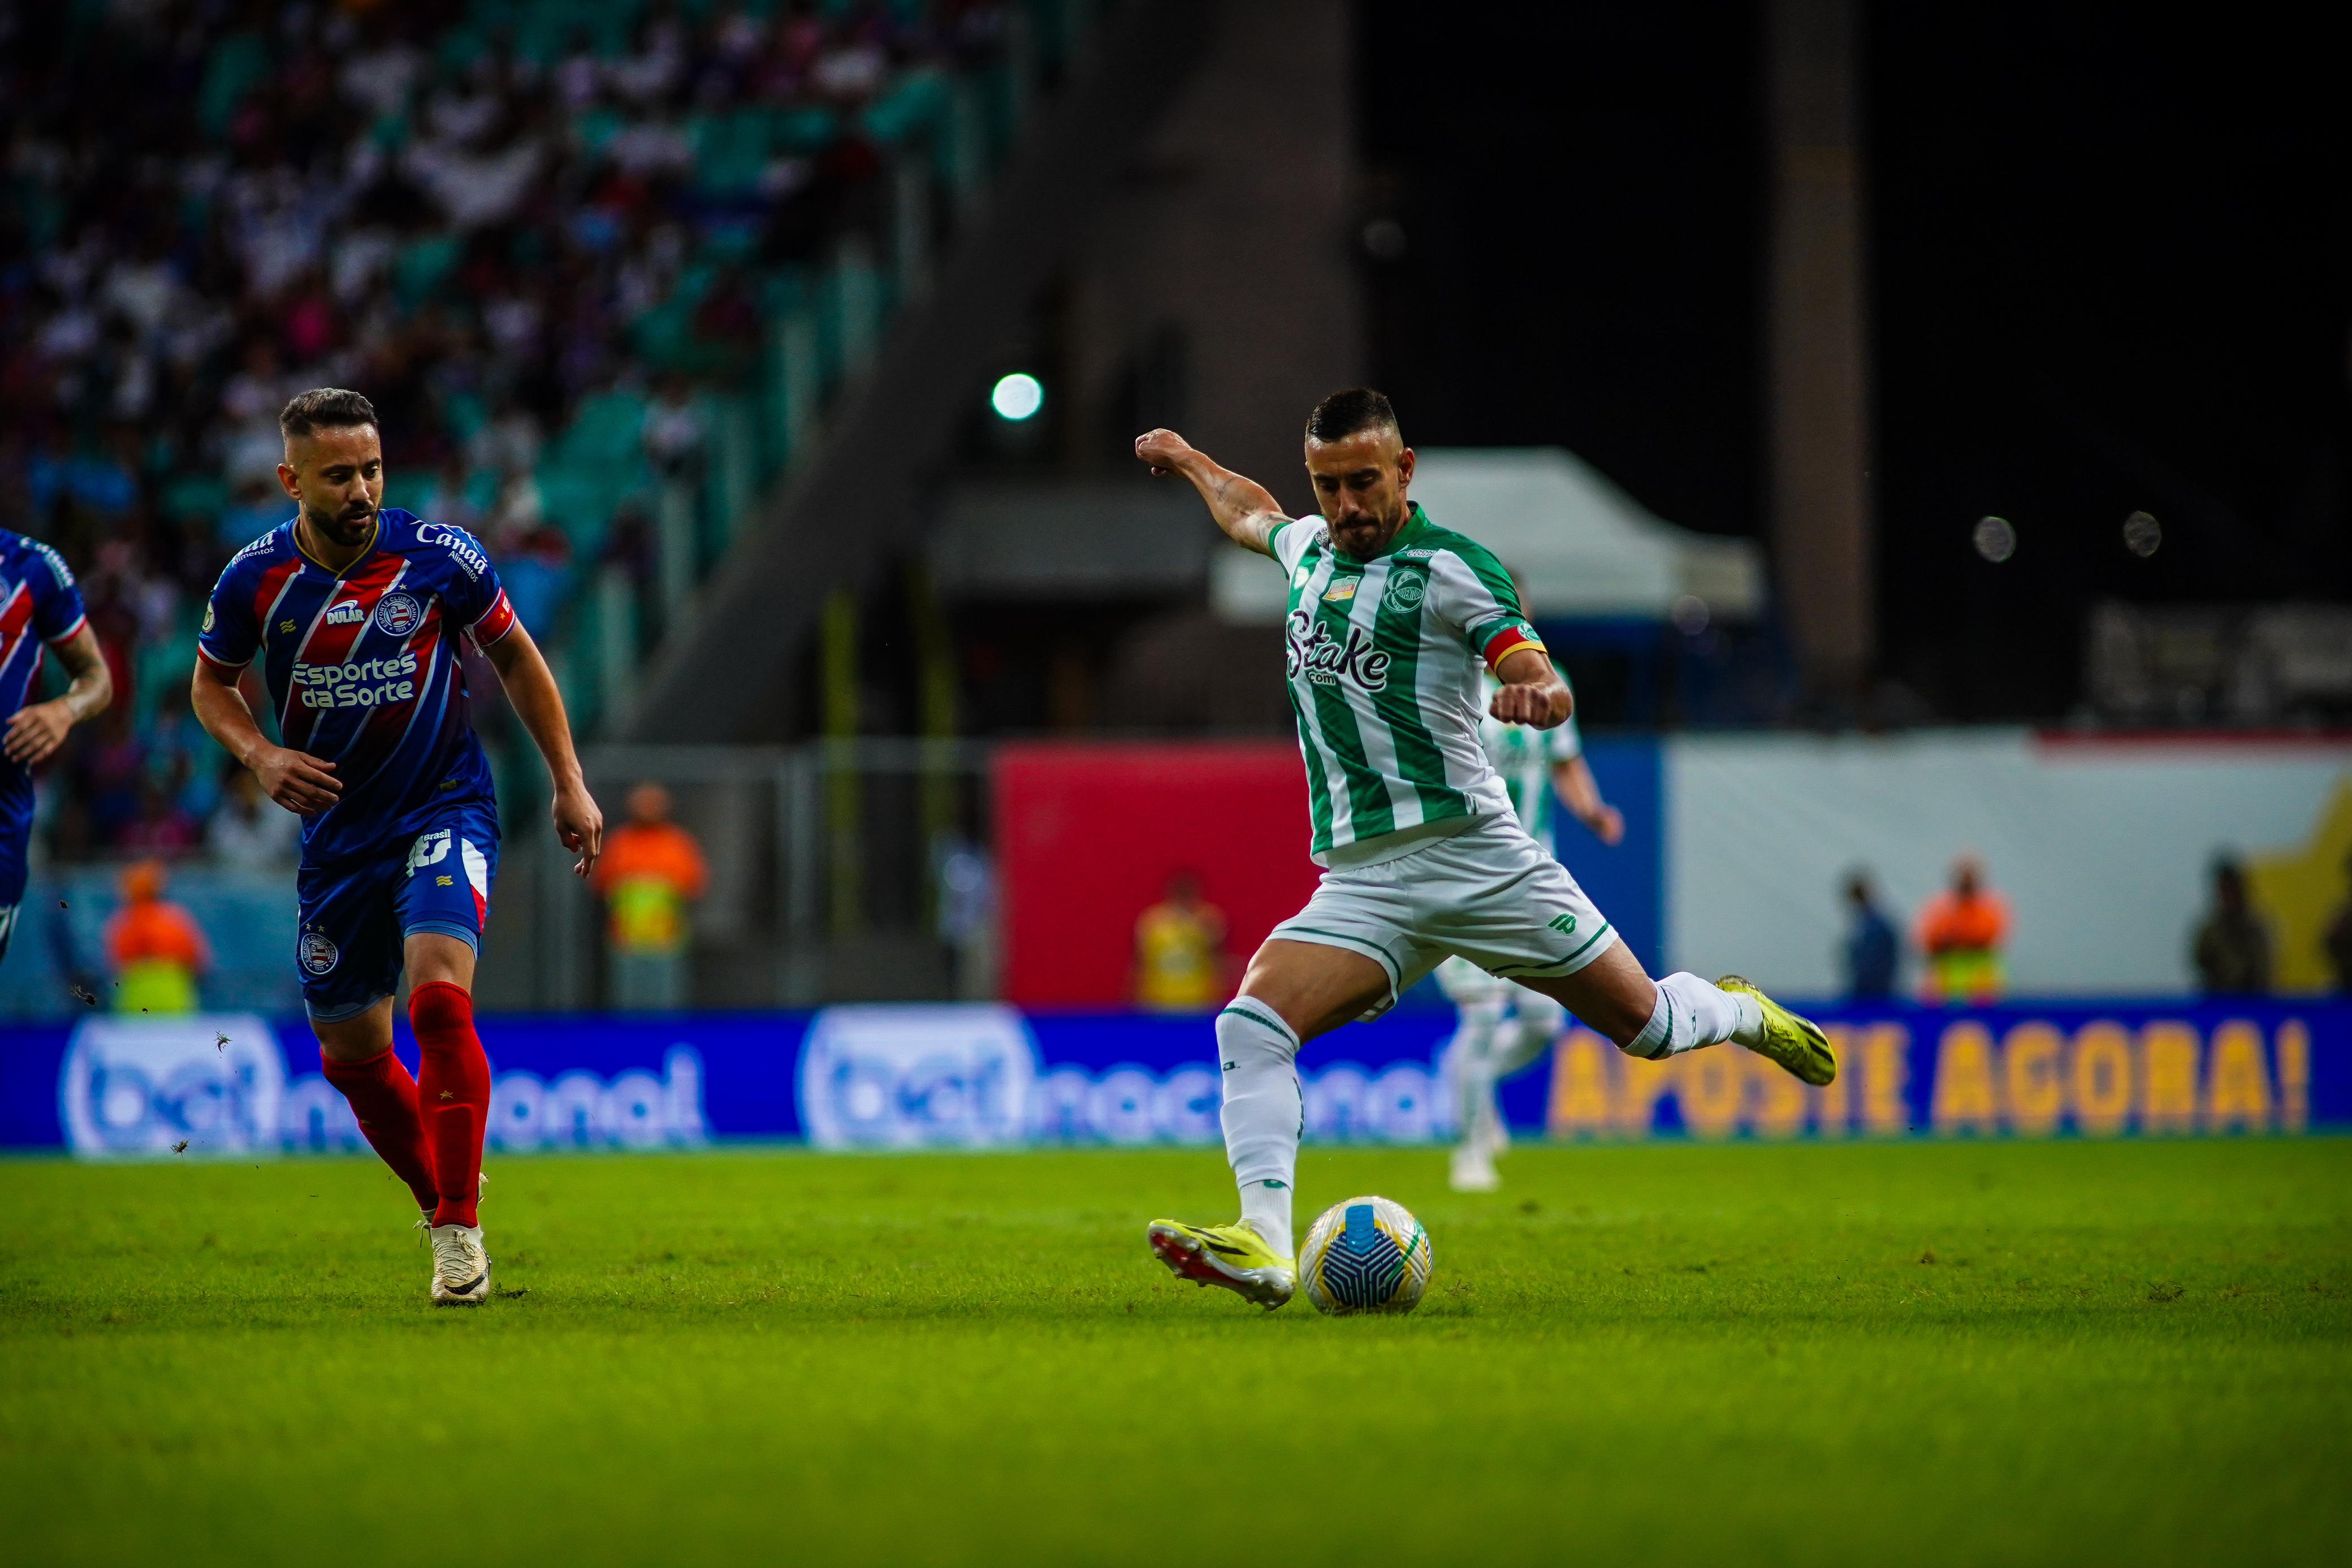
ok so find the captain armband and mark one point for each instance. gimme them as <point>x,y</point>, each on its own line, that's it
<point>1504,638</point>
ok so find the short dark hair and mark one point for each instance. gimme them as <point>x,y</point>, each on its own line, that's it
<point>1344,414</point>
<point>325,408</point>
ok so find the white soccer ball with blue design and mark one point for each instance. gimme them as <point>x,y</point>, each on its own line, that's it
<point>1366,1255</point>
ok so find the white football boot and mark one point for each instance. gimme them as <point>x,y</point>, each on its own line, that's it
<point>1474,1168</point>
<point>1474,1157</point>
<point>461,1269</point>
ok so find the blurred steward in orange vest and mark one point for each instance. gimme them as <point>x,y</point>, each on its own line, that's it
<point>1180,950</point>
<point>1961,931</point>
<point>157,951</point>
<point>651,870</point>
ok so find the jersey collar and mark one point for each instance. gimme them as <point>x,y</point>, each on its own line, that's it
<point>375,537</point>
<point>1416,523</point>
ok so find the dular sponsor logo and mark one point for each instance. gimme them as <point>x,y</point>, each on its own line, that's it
<point>907,1077</point>
<point>206,1083</point>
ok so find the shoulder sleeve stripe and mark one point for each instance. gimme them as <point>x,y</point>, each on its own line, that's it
<point>70,632</point>
<point>209,657</point>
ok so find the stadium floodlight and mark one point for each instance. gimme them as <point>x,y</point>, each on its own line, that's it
<point>1017,397</point>
<point>1995,539</point>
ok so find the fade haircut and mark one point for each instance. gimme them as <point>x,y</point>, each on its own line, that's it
<point>325,408</point>
<point>1346,414</point>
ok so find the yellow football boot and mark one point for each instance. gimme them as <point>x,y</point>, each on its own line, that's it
<point>1234,1256</point>
<point>1796,1042</point>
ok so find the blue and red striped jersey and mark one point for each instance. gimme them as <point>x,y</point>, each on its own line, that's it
<point>362,670</point>
<point>39,605</point>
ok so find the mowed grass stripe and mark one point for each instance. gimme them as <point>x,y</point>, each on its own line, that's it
<point>1676,1353</point>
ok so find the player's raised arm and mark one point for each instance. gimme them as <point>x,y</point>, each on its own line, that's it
<point>1532,692</point>
<point>530,687</point>
<point>1242,508</point>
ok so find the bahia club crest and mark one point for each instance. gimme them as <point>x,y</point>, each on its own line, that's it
<point>398,614</point>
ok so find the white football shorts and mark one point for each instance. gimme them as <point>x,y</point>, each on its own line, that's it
<point>1489,894</point>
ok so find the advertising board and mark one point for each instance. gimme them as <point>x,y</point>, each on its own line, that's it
<point>989,1076</point>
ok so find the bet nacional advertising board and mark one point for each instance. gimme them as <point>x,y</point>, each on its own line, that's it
<point>986,1076</point>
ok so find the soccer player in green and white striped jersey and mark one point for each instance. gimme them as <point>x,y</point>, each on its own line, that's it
<point>1393,619</point>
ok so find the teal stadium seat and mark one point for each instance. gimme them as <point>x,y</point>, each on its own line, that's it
<point>915,103</point>
<point>237,65</point>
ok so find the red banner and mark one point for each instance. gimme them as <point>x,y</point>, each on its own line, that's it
<point>1088,834</point>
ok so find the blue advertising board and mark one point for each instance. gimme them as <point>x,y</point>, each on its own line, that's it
<point>982,1075</point>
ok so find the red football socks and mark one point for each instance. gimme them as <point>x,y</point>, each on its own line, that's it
<point>383,1097</point>
<point>453,1090</point>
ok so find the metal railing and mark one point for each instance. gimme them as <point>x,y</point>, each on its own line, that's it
<point>840,870</point>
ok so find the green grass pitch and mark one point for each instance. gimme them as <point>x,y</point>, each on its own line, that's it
<point>1904,1352</point>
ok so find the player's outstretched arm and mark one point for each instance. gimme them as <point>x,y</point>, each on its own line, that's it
<point>295,779</point>
<point>1242,508</point>
<point>1532,692</point>
<point>530,687</point>
<point>38,729</point>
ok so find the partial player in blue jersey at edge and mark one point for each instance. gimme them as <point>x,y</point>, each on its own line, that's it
<point>40,609</point>
<point>354,614</point>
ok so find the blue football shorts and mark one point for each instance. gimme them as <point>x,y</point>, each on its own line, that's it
<point>356,915</point>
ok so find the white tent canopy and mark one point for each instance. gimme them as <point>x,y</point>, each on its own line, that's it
<point>1582,546</point>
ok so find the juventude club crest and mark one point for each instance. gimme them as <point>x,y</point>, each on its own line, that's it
<point>316,952</point>
<point>1405,591</point>
<point>397,614</point>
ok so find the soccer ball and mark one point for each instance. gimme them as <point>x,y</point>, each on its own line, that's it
<point>1366,1255</point>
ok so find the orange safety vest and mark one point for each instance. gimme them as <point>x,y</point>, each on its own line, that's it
<point>648,874</point>
<point>1963,939</point>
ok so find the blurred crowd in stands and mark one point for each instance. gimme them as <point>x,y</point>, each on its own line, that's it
<point>530,230</point>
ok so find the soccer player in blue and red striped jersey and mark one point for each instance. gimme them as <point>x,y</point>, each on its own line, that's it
<point>40,609</point>
<point>355,614</point>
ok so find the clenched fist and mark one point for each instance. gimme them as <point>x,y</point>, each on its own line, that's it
<point>1542,706</point>
<point>1163,449</point>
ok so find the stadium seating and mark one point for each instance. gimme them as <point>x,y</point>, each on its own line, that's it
<point>532,231</point>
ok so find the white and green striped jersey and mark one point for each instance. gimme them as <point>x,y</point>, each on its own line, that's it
<point>1385,659</point>
<point>1525,757</point>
